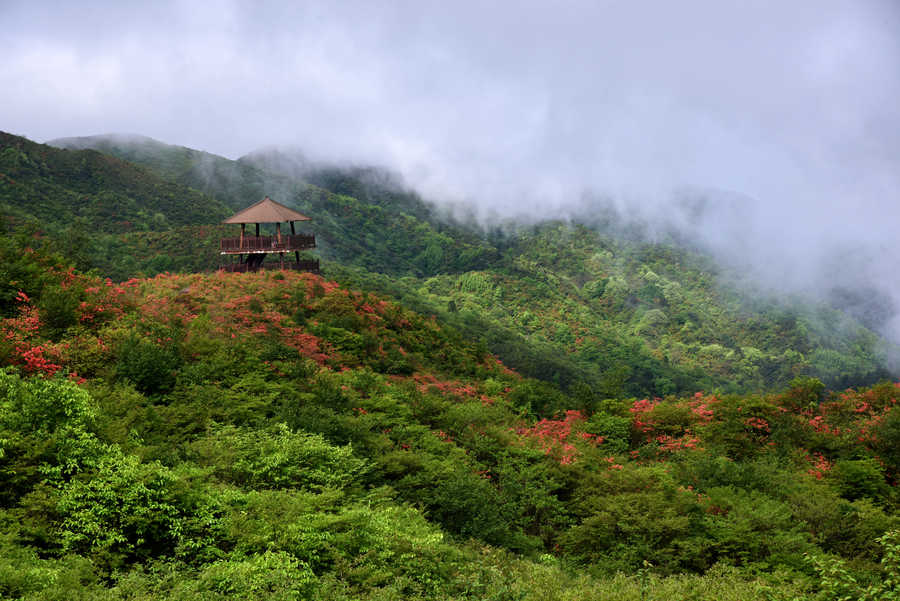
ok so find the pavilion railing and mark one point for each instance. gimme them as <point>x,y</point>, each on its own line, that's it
<point>289,242</point>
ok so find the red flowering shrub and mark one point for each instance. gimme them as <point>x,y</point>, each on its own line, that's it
<point>557,438</point>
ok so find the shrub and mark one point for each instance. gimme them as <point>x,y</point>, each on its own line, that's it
<point>59,309</point>
<point>615,430</point>
<point>45,432</point>
<point>272,575</point>
<point>124,510</point>
<point>859,478</point>
<point>836,581</point>
<point>150,367</point>
<point>803,392</point>
<point>278,458</point>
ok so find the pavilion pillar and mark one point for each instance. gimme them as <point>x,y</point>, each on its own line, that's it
<point>294,233</point>
<point>241,244</point>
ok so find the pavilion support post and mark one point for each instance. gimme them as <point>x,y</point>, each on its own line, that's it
<point>257,230</point>
<point>278,232</point>
<point>241,245</point>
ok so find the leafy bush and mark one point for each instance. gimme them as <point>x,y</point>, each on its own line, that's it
<point>272,576</point>
<point>124,510</point>
<point>59,308</point>
<point>150,367</point>
<point>45,432</point>
<point>615,430</point>
<point>836,581</point>
<point>861,478</point>
<point>278,458</point>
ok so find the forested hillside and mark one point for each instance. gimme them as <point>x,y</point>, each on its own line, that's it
<point>552,411</point>
<point>280,436</point>
<point>577,301</point>
<point>589,305</point>
<point>61,189</point>
<point>379,237</point>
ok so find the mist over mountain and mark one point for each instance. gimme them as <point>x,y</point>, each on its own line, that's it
<point>786,253</point>
<point>777,257</point>
<point>769,138</point>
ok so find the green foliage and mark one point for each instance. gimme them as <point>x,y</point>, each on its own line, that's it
<point>147,365</point>
<point>125,509</point>
<point>278,458</point>
<point>60,308</point>
<point>887,440</point>
<point>621,531</point>
<point>804,391</point>
<point>861,478</point>
<point>270,575</point>
<point>282,436</point>
<point>460,500</point>
<point>20,270</point>
<point>743,428</point>
<point>45,431</point>
<point>57,186</point>
<point>615,430</point>
<point>837,582</point>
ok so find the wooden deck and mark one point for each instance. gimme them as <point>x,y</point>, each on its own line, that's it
<point>266,244</point>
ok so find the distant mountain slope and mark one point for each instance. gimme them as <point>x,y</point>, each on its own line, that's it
<point>234,183</point>
<point>55,187</point>
<point>595,306</point>
<point>371,185</point>
<point>396,237</point>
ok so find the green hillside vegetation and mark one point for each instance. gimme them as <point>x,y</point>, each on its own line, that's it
<point>280,436</point>
<point>374,236</point>
<point>575,305</point>
<point>100,193</point>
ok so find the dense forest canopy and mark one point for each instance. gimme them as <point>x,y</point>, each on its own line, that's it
<point>551,411</point>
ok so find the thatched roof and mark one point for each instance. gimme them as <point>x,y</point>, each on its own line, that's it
<point>266,211</point>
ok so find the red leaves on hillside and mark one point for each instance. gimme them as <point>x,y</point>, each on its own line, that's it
<point>554,436</point>
<point>701,406</point>
<point>820,465</point>
<point>640,410</point>
<point>671,438</point>
<point>35,361</point>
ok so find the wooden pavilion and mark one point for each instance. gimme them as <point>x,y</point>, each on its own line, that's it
<point>251,251</point>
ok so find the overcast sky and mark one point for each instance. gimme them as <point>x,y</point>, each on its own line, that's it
<point>791,106</point>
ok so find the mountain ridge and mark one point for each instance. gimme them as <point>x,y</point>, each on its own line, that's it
<point>622,315</point>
